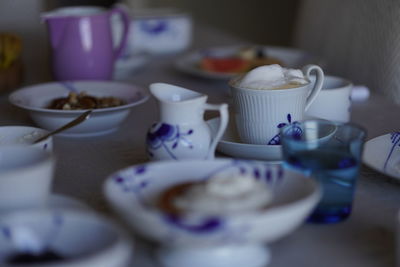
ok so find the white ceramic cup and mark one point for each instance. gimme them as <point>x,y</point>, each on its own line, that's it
<point>260,114</point>
<point>26,175</point>
<point>334,101</point>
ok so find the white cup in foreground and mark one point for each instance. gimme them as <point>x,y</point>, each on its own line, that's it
<point>333,102</point>
<point>260,113</point>
<point>26,175</point>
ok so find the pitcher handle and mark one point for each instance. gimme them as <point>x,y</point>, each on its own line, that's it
<point>126,20</point>
<point>224,117</point>
<point>318,83</point>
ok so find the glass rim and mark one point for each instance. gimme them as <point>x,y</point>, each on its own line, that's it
<point>362,131</point>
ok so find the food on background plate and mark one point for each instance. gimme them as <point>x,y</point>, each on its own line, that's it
<point>227,193</point>
<point>79,101</point>
<point>243,61</point>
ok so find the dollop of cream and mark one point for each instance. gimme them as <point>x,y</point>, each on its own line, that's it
<point>272,77</point>
<point>225,194</point>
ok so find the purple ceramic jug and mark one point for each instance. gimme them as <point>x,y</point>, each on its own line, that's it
<point>82,42</point>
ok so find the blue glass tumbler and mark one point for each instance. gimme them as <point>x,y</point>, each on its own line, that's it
<point>329,152</point>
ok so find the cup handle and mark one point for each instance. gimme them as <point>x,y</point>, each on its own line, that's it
<point>224,118</point>
<point>126,20</point>
<point>318,83</point>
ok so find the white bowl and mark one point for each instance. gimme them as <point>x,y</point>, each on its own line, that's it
<point>230,240</point>
<point>36,98</point>
<point>26,175</point>
<point>82,239</point>
<point>334,100</point>
<point>25,135</point>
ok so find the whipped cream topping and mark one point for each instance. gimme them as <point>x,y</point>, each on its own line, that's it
<point>225,194</point>
<point>272,77</point>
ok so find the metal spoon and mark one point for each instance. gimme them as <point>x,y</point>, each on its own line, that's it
<point>70,124</point>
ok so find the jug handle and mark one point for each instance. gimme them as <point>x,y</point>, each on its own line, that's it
<point>126,20</point>
<point>318,83</point>
<point>224,117</point>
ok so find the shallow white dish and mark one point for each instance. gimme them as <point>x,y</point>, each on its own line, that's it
<point>382,154</point>
<point>230,144</point>
<point>203,240</point>
<point>128,64</point>
<point>57,201</point>
<point>80,238</point>
<point>290,57</point>
<point>35,98</point>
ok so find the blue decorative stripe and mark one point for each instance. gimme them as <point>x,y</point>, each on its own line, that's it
<point>395,139</point>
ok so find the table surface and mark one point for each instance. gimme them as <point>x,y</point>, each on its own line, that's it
<point>367,238</point>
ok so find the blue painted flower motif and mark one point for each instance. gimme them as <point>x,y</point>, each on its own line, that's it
<point>166,136</point>
<point>296,131</point>
<point>395,139</point>
<point>264,172</point>
<point>206,225</point>
<point>154,27</point>
<point>135,182</point>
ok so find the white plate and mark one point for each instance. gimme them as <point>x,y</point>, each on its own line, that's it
<point>290,57</point>
<point>231,145</point>
<point>129,64</point>
<point>382,153</point>
<point>64,202</point>
<point>36,98</point>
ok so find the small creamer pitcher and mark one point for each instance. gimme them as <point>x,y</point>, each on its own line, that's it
<point>182,132</point>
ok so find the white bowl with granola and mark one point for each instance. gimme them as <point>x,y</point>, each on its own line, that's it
<point>51,105</point>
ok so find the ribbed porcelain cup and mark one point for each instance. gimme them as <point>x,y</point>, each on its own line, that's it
<point>259,114</point>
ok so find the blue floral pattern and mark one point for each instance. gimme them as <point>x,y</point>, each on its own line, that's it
<point>296,131</point>
<point>154,27</point>
<point>395,139</point>
<point>168,137</point>
<point>203,225</point>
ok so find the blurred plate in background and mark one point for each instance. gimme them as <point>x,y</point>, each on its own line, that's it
<point>191,63</point>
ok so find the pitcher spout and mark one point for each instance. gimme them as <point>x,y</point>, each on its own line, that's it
<point>178,104</point>
<point>174,94</point>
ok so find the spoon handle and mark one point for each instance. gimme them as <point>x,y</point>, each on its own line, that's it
<point>70,124</point>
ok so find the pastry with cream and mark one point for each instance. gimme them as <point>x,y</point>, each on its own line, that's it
<point>226,193</point>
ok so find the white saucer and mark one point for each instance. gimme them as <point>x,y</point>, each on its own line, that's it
<point>382,154</point>
<point>290,57</point>
<point>231,145</point>
<point>127,65</point>
<point>58,201</point>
